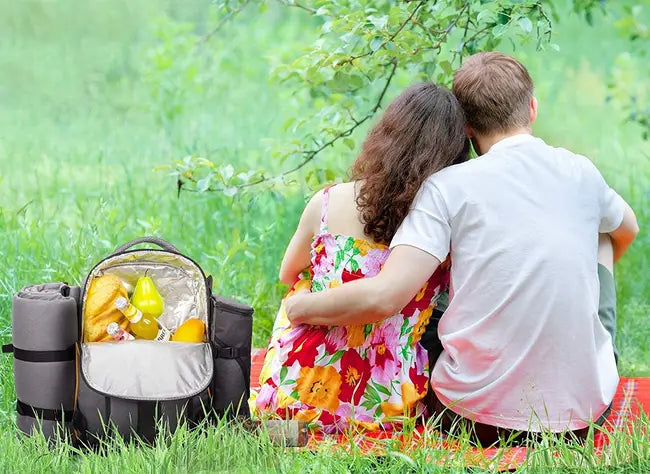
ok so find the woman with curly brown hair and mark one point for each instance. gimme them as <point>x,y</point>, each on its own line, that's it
<point>366,374</point>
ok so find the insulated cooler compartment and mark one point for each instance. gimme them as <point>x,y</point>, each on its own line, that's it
<point>45,329</point>
<point>231,332</point>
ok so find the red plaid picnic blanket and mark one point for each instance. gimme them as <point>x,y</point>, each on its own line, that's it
<point>631,400</point>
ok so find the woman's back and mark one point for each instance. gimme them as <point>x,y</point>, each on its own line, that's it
<point>342,214</point>
<point>364,374</point>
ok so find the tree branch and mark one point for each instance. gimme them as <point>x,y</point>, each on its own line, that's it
<point>545,17</point>
<point>205,38</point>
<point>451,25</point>
<point>292,3</point>
<point>392,37</point>
<point>309,155</point>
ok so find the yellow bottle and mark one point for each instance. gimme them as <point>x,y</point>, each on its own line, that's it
<point>143,327</point>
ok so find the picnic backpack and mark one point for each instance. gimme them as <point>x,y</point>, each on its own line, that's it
<point>87,391</point>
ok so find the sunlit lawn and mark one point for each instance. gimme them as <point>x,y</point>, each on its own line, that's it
<point>80,137</point>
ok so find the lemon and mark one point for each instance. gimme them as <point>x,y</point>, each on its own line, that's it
<point>192,330</point>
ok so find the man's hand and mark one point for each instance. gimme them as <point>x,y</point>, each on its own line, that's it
<point>367,300</point>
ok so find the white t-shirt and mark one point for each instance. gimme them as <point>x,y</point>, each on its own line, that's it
<point>523,345</point>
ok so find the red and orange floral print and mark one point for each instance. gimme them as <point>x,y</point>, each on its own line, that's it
<point>371,375</point>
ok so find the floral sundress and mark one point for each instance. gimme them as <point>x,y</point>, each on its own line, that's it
<point>369,376</point>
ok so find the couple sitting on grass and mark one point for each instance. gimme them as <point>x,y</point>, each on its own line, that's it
<point>478,292</point>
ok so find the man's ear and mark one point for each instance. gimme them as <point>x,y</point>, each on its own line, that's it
<point>469,131</point>
<point>533,109</point>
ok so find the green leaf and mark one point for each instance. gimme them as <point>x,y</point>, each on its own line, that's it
<point>283,373</point>
<point>337,355</point>
<point>498,30</point>
<point>349,142</point>
<point>227,172</point>
<point>356,81</point>
<point>203,184</point>
<point>288,123</point>
<point>349,244</point>
<point>381,389</point>
<point>376,43</point>
<point>369,404</point>
<point>525,24</point>
<point>486,16</point>
<point>446,67</point>
<point>405,349</point>
<point>340,255</point>
<point>379,22</point>
<point>404,328</point>
<point>372,394</point>
<point>354,266</point>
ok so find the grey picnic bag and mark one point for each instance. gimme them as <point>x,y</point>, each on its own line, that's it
<point>87,391</point>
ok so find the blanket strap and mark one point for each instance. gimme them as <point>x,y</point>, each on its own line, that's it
<point>25,409</point>
<point>64,355</point>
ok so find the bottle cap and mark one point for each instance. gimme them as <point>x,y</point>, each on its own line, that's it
<point>121,303</point>
<point>113,329</point>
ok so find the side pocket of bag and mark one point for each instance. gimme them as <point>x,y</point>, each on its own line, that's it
<point>231,332</point>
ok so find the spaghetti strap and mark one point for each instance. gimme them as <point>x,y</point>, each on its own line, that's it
<point>323,215</point>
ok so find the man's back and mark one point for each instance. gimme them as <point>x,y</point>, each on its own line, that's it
<point>522,329</point>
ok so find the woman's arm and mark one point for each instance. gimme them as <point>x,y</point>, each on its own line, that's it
<point>296,257</point>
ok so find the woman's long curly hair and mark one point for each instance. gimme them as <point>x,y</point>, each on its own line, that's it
<point>421,132</point>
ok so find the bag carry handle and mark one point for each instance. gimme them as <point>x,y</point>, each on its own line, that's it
<point>146,240</point>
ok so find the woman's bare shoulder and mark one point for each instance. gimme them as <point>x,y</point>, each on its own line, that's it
<point>344,189</point>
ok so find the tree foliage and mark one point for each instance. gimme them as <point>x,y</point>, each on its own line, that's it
<point>361,46</point>
<point>629,81</point>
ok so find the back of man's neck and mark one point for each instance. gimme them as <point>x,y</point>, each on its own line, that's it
<point>483,143</point>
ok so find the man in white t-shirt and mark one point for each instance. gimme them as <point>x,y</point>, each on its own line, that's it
<point>524,348</point>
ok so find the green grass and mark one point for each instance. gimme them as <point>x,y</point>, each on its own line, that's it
<point>81,134</point>
<point>228,448</point>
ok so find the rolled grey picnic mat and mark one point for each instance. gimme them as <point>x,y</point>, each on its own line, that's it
<point>44,331</point>
<point>231,332</point>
